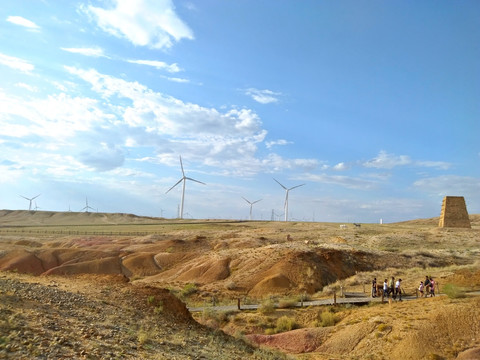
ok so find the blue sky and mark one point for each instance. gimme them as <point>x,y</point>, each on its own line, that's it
<point>373,105</point>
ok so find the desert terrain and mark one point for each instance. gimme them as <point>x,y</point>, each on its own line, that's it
<point>93,285</point>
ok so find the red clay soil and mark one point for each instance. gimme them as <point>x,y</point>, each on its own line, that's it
<point>293,342</point>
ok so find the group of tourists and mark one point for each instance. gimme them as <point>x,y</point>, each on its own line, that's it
<point>390,287</point>
<point>427,287</point>
<point>394,288</point>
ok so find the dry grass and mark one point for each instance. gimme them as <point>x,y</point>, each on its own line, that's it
<point>221,260</point>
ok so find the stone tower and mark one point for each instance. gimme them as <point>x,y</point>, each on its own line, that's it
<point>454,213</point>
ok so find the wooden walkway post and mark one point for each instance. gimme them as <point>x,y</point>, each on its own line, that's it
<point>334,298</point>
<point>238,303</point>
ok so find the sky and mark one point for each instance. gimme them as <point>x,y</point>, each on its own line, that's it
<point>373,105</point>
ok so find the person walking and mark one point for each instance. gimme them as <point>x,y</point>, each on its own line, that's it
<point>374,287</point>
<point>426,283</point>
<point>432,287</point>
<point>385,288</point>
<point>391,287</point>
<point>420,289</point>
<point>398,289</point>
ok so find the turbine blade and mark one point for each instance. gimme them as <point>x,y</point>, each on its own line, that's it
<point>36,196</point>
<point>181,165</point>
<point>188,178</point>
<point>246,200</point>
<point>256,201</point>
<point>280,184</point>
<point>296,187</point>
<point>178,182</point>
<point>24,197</point>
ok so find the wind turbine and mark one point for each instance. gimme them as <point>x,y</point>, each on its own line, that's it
<point>251,205</point>
<point>184,179</point>
<point>86,208</point>
<point>30,199</point>
<point>285,206</point>
<point>36,207</point>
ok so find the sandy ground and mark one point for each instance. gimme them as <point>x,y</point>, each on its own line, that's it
<point>202,261</point>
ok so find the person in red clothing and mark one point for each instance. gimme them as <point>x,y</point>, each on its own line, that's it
<point>432,287</point>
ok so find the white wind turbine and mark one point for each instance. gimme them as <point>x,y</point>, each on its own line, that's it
<point>184,179</point>
<point>86,208</point>
<point>251,205</point>
<point>30,199</point>
<point>285,206</point>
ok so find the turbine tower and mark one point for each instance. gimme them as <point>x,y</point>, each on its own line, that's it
<point>29,199</point>
<point>251,205</point>
<point>86,208</point>
<point>285,206</point>
<point>184,179</point>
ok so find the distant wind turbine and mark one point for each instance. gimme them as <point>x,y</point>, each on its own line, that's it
<point>36,207</point>
<point>285,206</point>
<point>86,208</point>
<point>251,205</point>
<point>184,179</point>
<point>30,199</point>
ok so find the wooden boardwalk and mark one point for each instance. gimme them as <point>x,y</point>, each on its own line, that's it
<point>355,300</point>
<point>351,298</point>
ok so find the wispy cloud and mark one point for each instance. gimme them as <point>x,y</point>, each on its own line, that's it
<point>344,181</point>
<point>263,96</point>
<point>152,23</point>
<point>94,52</point>
<point>434,164</point>
<point>21,21</point>
<point>172,68</point>
<point>281,142</point>
<point>16,63</point>
<point>340,167</point>
<point>387,161</point>
<point>177,80</point>
<point>451,185</point>
<point>27,87</point>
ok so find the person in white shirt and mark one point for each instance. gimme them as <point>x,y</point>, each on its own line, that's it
<point>398,289</point>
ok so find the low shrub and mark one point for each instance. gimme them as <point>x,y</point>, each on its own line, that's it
<point>453,291</point>
<point>285,323</point>
<point>267,307</point>
<point>188,290</point>
<point>326,318</point>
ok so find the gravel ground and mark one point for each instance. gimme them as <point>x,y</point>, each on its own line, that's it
<point>91,319</point>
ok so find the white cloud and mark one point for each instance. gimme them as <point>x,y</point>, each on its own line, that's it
<point>387,161</point>
<point>94,52</point>
<point>151,23</point>
<point>435,164</point>
<point>18,20</point>
<point>16,63</point>
<point>345,181</point>
<point>281,142</point>
<point>263,96</point>
<point>340,167</point>
<point>103,157</point>
<point>178,80</point>
<point>26,87</point>
<point>172,68</point>
<point>453,185</point>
